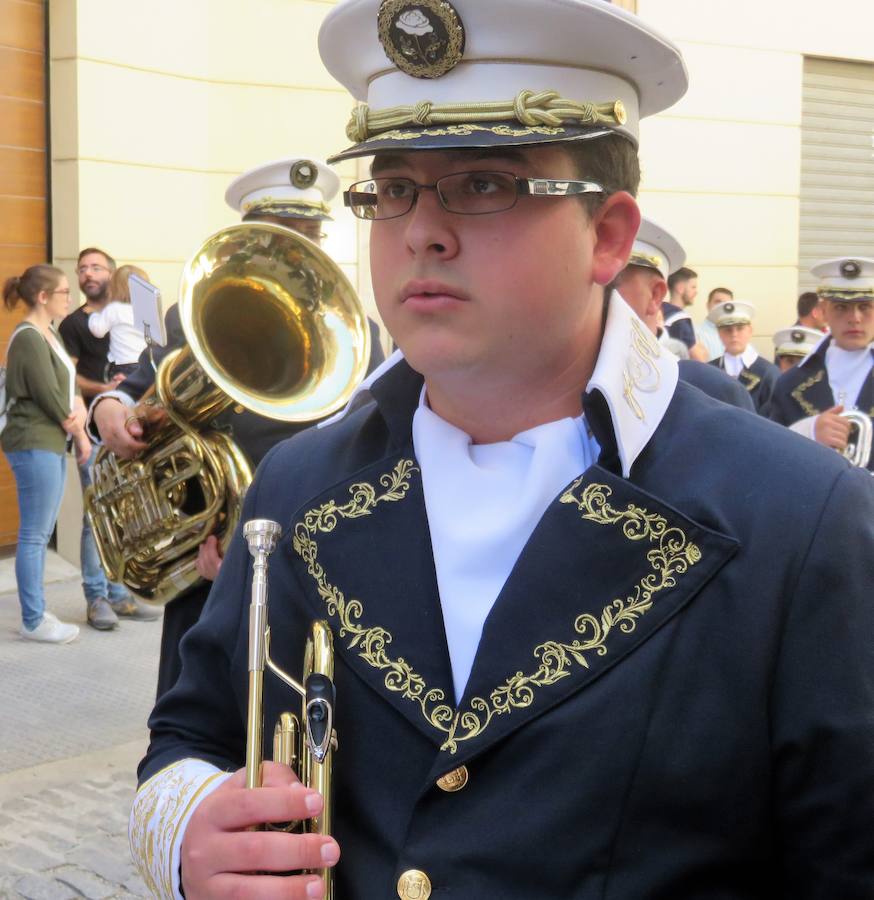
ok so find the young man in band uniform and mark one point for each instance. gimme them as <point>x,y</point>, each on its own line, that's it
<point>561,670</point>
<point>838,374</point>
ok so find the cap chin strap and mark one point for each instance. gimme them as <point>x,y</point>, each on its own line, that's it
<point>527,107</point>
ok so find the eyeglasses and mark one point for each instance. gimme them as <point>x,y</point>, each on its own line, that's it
<point>465,193</point>
<point>65,291</point>
<point>94,267</point>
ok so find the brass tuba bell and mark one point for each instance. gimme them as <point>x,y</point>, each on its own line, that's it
<point>271,323</point>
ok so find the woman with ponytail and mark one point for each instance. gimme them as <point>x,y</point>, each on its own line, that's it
<point>43,416</point>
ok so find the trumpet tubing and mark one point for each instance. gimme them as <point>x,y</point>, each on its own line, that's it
<point>306,743</point>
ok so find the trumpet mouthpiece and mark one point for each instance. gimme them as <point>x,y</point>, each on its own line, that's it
<point>261,535</point>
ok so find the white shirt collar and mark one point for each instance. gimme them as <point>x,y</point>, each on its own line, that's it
<point>734,365</point>
<point>635,374</point>
<point>637,377</point>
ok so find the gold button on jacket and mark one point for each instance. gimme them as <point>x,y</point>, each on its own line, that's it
<point>453,781</point>
<point>414,885</point>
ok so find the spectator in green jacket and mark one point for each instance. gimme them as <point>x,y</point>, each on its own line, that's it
<point>44,416</point>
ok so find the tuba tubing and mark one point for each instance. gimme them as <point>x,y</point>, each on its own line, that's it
<point>271,323</point>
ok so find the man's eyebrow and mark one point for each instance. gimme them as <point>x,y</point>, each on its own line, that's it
<point>402,161</point>
<point>389,161</point>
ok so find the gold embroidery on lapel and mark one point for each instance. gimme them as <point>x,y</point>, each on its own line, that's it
<point>671,556</point>
<point>798,393</point>
<point>639,372</point>
<point>749,380</point>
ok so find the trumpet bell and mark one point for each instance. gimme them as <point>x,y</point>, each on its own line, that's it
<point>274,322</point>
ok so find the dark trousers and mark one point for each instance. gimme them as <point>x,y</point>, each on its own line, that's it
<point>179,615</point>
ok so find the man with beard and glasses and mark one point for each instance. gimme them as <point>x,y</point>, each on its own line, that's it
<point>561,669</point>
<point>106,601</point>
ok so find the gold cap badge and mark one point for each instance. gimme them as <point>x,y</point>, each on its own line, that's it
<point>424,39</point>
<point>303,174</point>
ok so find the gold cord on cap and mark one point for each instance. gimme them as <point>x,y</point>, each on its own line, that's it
<point>528,107</point>
<point>825,292</point>
<point>644,259</point>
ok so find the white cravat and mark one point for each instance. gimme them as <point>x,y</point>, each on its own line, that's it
<point>847,371</point>
<point>734,365</point>
<point>483,502</point>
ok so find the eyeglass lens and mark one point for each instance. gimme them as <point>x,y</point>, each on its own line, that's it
<point>467,193</point>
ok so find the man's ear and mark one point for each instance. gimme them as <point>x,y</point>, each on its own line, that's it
<point>657,295</point>
<point>616,223</point>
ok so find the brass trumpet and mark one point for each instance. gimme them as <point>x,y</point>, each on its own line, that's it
<point>306,744</point>
<point>858,449</point>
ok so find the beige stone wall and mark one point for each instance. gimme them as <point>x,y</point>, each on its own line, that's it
<point>156,107</point>
<point>722,168</point>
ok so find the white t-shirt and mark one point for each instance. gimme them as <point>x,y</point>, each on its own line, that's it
<point>126,343</point>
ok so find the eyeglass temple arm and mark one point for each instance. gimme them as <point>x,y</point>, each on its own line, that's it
<point>552,187</point>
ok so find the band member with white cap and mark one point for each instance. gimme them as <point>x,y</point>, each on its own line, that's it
<point>741,360</point>
<point>561,671</point>
<point>295,193</point>
<point>839,374</point>
<point>793,344</point>
<point>643,285</point>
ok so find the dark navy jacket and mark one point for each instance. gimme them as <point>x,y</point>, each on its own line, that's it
<point>680,328</point>
<point>673,698</point>
<point>715,383</point>
<point>804,391</point>
<point>759,380</point>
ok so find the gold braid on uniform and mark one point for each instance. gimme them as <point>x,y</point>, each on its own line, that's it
<point>531,108</point>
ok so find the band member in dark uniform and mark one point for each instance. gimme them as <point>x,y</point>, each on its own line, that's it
<point>643,285</point>
<point>839,374</point>
<point>561,670</point>
<point>741,360</point>
<point>793,344</point>
<point>292,192</point>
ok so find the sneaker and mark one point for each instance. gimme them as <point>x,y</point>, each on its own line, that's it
<point>51,631</point>
<point>101,615</point>
<point>132,608</point>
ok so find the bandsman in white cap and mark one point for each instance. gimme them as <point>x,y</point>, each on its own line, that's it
<point>838,375</point>
<point>295,193</point>
<point>793,344</point>
<point>561,671</point>
<point>741,360</point>
<point>643,285</point>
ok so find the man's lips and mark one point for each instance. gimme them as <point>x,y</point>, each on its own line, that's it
<point>425,290</point>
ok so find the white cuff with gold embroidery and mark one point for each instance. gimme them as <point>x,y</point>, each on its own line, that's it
<point>160,814</point>
<point>805,427</point>
<point>121,396</point>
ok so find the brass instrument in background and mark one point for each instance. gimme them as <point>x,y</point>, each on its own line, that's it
<point>306,744</point>
<point>858,449</point>
<point>271,323</point>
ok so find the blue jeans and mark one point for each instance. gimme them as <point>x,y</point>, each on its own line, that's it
<point>39,477</point>
<point>94,581</point>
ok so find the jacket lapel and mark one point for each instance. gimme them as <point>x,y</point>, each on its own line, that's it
<point>363,552</point>
<point>813,394</point>
<point>606,567</point>
<point>865,400</point>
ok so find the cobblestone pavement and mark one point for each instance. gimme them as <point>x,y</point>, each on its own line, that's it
<point>71,733</point>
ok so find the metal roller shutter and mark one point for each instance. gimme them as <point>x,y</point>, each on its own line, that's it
<point>837,163</point>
